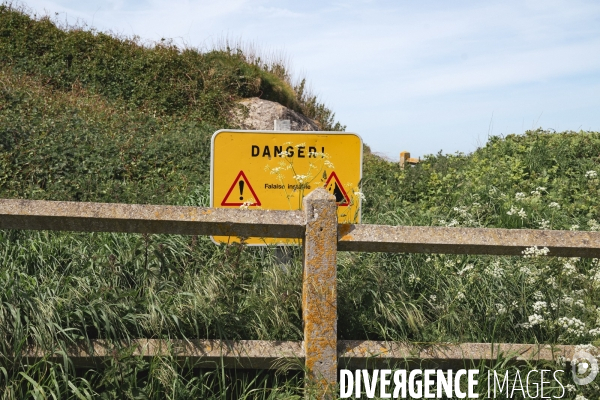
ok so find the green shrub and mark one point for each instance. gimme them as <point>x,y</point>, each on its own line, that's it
<point>76,146</point>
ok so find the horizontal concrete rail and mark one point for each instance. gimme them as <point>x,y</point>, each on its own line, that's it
<point>250,354</point>
<point>138,218</point>
<point>428,239</point>
<point>378,354</point>
<point>259,354</point>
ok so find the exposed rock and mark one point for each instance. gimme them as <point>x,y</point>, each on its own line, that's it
<point>258,114</point>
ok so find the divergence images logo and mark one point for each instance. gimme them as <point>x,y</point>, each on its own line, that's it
<point>584,363</point>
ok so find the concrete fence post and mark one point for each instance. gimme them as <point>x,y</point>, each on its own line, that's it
<point>319,292</point>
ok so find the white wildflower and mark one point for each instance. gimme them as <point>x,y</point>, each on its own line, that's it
<point>594,332</point>
<point>569,268</point>
<point>460,296</point>
<point>360,195</point>
<point>532,252</point>
<point>562,362</point>
<point>570,387</point>
<point>580,397</point>
<point>554,205</point>
<point>591,174</point>
<point>449,263</point>
<point>467,268</point>
<point>535,319</point>
<point>513,210</point>
<point>412,278</point>
<point>536,193</point>
<point>594,225</point>
<point>461,210</point>
<point>573,326</point>
<point>544,224</point>
<point>495,270</point>
<point>500,308</point>
<point>539,306</point>
<point>520,196</point>
<point>300,178</point>
<point>588,348</point>
<point>522,214</point>
<point>574,227</point>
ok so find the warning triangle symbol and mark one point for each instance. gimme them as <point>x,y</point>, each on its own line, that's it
<point>241,192</point>
<point>334,186</point>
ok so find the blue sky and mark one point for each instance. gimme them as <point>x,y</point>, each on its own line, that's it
<point>422,76</point>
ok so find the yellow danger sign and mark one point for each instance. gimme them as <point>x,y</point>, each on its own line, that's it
<point>275,170</point>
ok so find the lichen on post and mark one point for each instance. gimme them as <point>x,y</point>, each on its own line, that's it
<point>319,292</point>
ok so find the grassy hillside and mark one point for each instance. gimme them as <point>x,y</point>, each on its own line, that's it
<point>162,79</point>
<point>85,116</point>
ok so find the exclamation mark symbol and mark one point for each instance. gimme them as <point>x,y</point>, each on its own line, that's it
<point>241,183</point>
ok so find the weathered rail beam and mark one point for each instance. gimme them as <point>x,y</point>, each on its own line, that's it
<point>441,240</point>
<point>139,218</point>
<point>197,353</point>
<point>136,218</point>
<point>378,354</point>
<point>261,354</point>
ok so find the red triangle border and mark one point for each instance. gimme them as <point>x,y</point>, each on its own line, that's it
<point>236,180</point>
<point>334,176</point>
